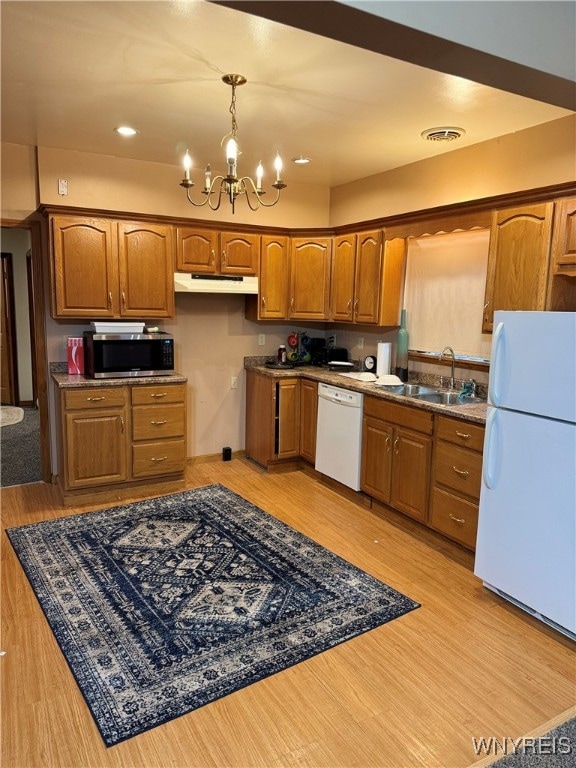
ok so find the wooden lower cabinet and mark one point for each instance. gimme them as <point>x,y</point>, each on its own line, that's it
<point>456,478</point>
<point>95,427</point>
<point>118,435</point>
<point>308,418</point>
<point>396,455</point>
<point>272,419</point>
<point>158,430</point>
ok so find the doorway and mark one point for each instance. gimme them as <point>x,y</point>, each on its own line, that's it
<point>30,386</point>
<point>8,357</point>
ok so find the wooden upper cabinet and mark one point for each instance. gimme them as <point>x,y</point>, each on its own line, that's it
<point>343,273</point>
<point>564,238</point>
<point>310,261</point>
<point>196,250</point>
<point>104,268</point>
<point>274,278</point>
<point>518,260</point>
<point>206,251</point>
<point>146,264</point>
<point>84,267</point>
<point>368,276</point>
<point>392,282</point>
<point>356,277</point>
<point>239,253</point>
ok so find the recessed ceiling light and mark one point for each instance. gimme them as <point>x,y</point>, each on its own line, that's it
<point>443,133</point>
<point>301,160</point>
<point>125,130</point>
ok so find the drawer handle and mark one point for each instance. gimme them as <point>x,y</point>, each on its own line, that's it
<point>396,445</point>
<point>96,399</point>
<point>159,423</point>
<point>109,299</point>
<point>159,458</point>
<point>387,443</point>
<point>463,472</point>
<point>158,394</point>
<point>463,435</point>
<point>460,520</point>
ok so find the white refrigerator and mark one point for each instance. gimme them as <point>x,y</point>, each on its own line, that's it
<point>526,545</point>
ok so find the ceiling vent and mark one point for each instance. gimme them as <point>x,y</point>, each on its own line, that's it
<point>443,134</point>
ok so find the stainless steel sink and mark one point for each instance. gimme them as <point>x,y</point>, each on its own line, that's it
<point>447,398</point>
<point>408,390</point>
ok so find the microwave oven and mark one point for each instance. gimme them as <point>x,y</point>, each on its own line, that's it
<point>123,355</point>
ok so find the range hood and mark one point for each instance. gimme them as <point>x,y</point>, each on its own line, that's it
<point>185,282</point>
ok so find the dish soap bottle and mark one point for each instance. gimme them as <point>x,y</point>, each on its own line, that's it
<point>402,349</point>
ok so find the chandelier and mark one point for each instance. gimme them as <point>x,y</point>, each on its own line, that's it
<point>230,185</point>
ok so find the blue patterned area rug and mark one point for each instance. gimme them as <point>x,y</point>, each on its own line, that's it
<point>167,604</point>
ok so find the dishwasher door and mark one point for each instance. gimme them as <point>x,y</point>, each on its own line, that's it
<point>339,434</point>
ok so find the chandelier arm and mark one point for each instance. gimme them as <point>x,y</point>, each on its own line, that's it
<point>198,205</point>
<point>261,202</point>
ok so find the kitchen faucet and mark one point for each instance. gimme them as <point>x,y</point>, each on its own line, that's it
<point>449,349</point>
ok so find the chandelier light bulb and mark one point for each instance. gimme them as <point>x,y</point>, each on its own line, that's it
<point>187,162</point>
<point>278,166</point>
<point>259,175</point>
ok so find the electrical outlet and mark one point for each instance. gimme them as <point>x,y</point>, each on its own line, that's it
<point>361,342</point>
<point>261,339</point>
<point>62,187</point>
<point>233,382</point>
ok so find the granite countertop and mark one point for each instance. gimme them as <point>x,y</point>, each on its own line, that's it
<point>68,381</point>
<point>474,412</point>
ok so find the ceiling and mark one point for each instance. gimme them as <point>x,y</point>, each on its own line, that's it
<point>73,71</point>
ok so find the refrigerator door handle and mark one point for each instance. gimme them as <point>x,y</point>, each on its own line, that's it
<point>494,391</point>
<point>489,464</point>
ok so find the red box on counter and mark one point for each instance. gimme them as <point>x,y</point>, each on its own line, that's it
<point>75,354</point>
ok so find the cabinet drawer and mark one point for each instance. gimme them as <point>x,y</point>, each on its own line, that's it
<point>95,397</point>
<point>454,517</point>
<point>458,468</point>
<point>158,393</point>
<point>159,458</point>
<point>153,422</point>
<point>460,432</point>
<point>403,415</point>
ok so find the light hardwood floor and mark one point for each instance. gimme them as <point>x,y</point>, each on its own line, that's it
<point>412,693</point>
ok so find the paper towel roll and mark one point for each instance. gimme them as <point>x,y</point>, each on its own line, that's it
<point>383,361</point>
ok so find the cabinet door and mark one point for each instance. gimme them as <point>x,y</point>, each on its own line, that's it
<point>310,262</point>
<point>196,250</point>
<point>260,417</point>
<point>368,277</point>
<point>146,261</point>
<point>564,240</point>
<point>376,472</point>
<point>308,418</point>
<point>274,275</point>
<point>84,263</point>
<point>239,253</point>
<point>392,283</point>
<point>96,445</point>
<point>411,473</point>
<point>343,271</point>
<point>518,260</point>
<point>288,418</point>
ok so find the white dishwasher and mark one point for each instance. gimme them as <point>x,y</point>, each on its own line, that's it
<point>339,434</point>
